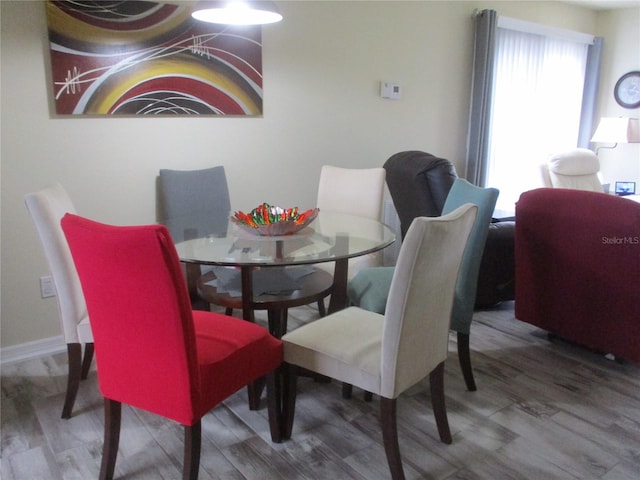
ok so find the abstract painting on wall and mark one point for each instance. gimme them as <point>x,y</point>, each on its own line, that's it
<point>149,58</point>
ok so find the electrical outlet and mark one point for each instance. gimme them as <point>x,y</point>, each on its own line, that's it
<point>47,288</point>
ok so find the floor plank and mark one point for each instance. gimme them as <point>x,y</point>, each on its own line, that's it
<point>543,409</point>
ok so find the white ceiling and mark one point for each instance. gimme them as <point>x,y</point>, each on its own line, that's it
<point>605,4</point>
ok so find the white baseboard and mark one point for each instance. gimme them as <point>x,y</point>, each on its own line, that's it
<point>29,350</point>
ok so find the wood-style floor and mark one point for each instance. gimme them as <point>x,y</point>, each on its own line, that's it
<point>542,411</point>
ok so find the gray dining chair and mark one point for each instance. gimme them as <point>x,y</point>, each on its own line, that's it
<point>196,203</point>
<point>193,204</point>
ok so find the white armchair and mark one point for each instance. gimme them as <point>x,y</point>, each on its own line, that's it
<point>578,169</point>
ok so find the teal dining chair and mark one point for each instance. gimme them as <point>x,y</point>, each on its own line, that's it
<point>370,287</point>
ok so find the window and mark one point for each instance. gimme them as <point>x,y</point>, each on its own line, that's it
<point>537,101</point>
<point>536,111</point>
<point>533,95</point>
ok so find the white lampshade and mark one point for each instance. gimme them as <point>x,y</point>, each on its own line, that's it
<point>617,130</point>
<point>237,12</point>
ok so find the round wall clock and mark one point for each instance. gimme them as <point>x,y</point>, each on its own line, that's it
<point>627,90</point>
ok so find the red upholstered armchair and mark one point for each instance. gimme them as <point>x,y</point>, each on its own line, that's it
<point>578,268</point>
<point>153,351</point>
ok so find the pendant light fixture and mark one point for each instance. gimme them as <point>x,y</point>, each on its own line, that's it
<point>237,12</point>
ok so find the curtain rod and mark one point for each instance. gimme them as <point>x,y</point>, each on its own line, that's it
<point>546,30</point>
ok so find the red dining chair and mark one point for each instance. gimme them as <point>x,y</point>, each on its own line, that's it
<point>153,351</point>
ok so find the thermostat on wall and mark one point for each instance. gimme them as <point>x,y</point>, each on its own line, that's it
<point>390,90</point>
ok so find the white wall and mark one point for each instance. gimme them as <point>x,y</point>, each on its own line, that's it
<point>621,54</point>
<point>322,66</point>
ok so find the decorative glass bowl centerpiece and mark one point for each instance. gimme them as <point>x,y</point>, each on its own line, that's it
<point>270,220</point>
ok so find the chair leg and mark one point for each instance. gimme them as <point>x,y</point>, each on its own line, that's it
<point>277,319</point>
<point>74,354</point>
<point>390,437</point>
<point>347,390</point>
<point>274,405</point>
<point>321,308</point>
<point>465,361</point>
<point>436,380</point>
<point>228,311</point>
<point>192,445</point>
<point>254,392</point>
<point>289,387</point>
<point>112,416</point>
<point>193,272</point>
<point>86,360</point>
<point>285,321</point>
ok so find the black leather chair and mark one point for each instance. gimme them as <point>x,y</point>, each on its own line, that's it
<point>419,183</point>
<point>497,274</point>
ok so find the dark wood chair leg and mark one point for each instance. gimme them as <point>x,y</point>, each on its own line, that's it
<point>86,360</point>
<point>285,322</point>
<point>390,437</point>
<point>321,308</point>
<point>274,405</point>
<point>74,354</point>
<point>465,361</point>
<point>112,416</point>
<point>347,390</point>
<point>193,272</point>
<point>192,446</point>
<point>228,311</point>
<point>289,387</point>
<point>436,380</point>
<point>276,319</point>
<point>339,299</point>
<point>255,390</point>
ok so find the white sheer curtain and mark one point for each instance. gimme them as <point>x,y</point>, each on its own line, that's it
<point>537,102</point>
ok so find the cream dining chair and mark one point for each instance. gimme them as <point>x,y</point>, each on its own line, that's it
<point>369,289</point>
<point>387,354</point>
<point>352,191</point>
<point>46,208</point>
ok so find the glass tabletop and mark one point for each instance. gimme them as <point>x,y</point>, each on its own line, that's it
<point>331,236</point>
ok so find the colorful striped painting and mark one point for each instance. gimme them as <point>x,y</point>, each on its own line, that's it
<point>148,58</point>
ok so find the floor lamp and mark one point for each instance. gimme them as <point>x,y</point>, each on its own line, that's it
<point>615,130</point>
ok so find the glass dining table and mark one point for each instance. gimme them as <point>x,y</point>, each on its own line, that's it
<point>331,237</point>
